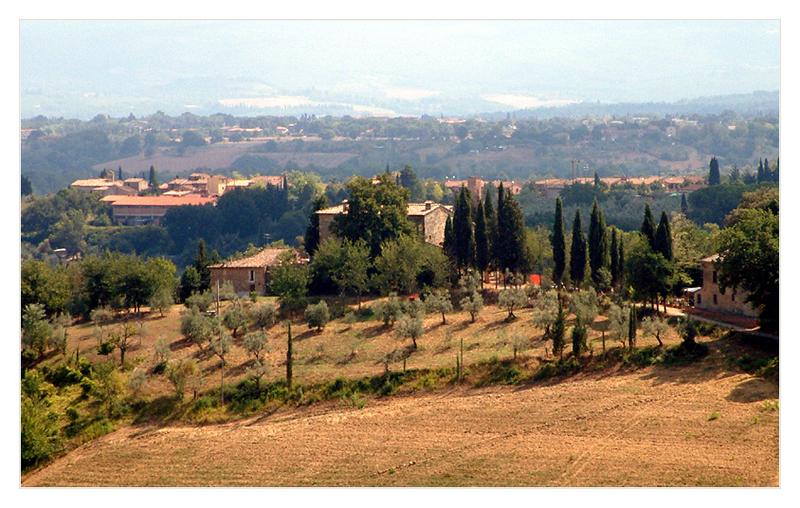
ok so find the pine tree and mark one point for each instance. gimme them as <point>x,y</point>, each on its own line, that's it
<point>663,240</point>
<point>713,172</point>
<point>615,266</point>
<point>649,225</point>
<point>482,253</point>
<point>559,244</point>
<point>463,232</point>
<point>598,243</point>
<point>684,205</point>
<point>577,262</point>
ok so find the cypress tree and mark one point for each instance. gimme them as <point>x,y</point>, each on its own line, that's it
<point>615,266</point>
<point>153,180</point>
<point>684,205</point>
<point>498,244</point>
<point>559,244</point>
<point>767,172</point>
<point>491,226</point>
<point>713,172</point>
<point>632,328</point>
<point>596,181</point>
<point>462,230</point>
<point>201,263</point>
<point>511,229</point>
<point>577,262</point>
<point>557,331</point>
<point>621,260</point>
<point>760,175</point>
<point>482,253</point>
<point>775,177</point>
<point>663,240</point>
<point>311,239</point>
<point>598,242</point>
<point>449,245</point>
<point>649,225</point>
<point>119,173</point>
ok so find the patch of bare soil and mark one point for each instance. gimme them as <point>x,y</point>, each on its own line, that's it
<point>693,425</point>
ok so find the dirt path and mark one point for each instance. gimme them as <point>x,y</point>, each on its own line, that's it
<point>650,427</point>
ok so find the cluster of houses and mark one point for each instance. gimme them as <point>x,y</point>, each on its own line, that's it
<point>551,187</point>
<point>134,204</point>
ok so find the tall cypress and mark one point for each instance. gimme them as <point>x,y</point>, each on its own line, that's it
<point>201,263</point>
<point>559,244</point>
<point>511,229</point>
<point>760,175</point>
<point>663,240</point>
<point>598,242</point>
<point>482,253</point>
<point>649,225</point>
<point>449,245</point>
<point>615,266</point>
<point>577,262</point>
<point>498,241</point>
<point>491,225</point>
<point>684,205</point>
<point>462,230</point>
<point>621,260</point>
<point>153,180</point>
<point>713,172</point>
<point>632,327</point>
<point>311,239</point>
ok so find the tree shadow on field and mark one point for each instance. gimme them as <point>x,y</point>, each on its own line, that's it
<point>373,331</point>
<point>753,390</point>
<point>501,323</point>
<point>306,335</point>
<point>179,344</point>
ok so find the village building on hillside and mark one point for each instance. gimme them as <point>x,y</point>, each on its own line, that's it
<point>140,210</point>
<point>429,218</point>
<point>250,274</point>
<point>476,184</point>
<point>104,186</point>
<point>710,296</point>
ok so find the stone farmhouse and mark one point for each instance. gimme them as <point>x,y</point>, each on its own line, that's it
<point>710,296</point>
<point>250,274</point>
<point>429,218</point>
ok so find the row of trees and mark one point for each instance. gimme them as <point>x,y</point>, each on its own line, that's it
<point>484,239</point>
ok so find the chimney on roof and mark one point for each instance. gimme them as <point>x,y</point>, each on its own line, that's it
<point>345,206</point>
<point>428,205</point>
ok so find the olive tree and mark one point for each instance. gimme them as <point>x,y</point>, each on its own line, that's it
<point>472,303</point>
<point>263,316</point>
<point>655,326</point>
<point>410,327</point>
<point>439,301</point>
<point>512,298</point>
<point>317,315</point>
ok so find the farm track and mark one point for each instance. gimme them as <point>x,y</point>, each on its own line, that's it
<point>649,427</point>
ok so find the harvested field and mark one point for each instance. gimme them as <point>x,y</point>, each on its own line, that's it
<point>694,425</point>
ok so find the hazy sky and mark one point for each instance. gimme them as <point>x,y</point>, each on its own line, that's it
<point>78,68</point>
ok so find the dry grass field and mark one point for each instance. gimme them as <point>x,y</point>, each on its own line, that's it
<point>705,423</point>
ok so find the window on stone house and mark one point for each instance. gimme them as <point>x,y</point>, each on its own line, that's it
<point>699,299</point>
<point>252,275</point>
<point>715,298</point>
<point>714,276</point>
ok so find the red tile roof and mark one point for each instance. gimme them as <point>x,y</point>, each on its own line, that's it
<point>190,199</point>
<point>266,257</point>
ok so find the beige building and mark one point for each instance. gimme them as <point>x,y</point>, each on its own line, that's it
<point>429,218</point>
<point>711,298</point>
<point>250,274</point>
<point>139,210</point>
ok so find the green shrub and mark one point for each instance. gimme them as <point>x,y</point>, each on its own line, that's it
<point>105,349</point>
<point>64,375</point>
<point>40,437</point>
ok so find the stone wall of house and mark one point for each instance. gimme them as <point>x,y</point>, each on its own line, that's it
<point>434,226</point>
<point>731,301</point>
<point>325,221</point>
<point>240,277</point>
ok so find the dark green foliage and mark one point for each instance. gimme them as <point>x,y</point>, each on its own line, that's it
<point>26,189</point>
<point>684,205</point>
<point>557,330</point>
<point>311,239</point>
<point>713,172</point>
<point>510,241</point>
<point>376,213</point>
<point>598,244</point>
<point>632,328</point>
<point>152,180</point>
<point>463,230</point>
<point>579,338</point>
<point>482,246</point>
<point>663,239</point>
<point>648,228</point>
<point>616,266</point>
<point>749,259</point>
<point>713,203</point>
<point>449,243</point>
<point>559,243</point>
<point>577,262</point>
<point>491,223</point>
<point>649,273</point>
